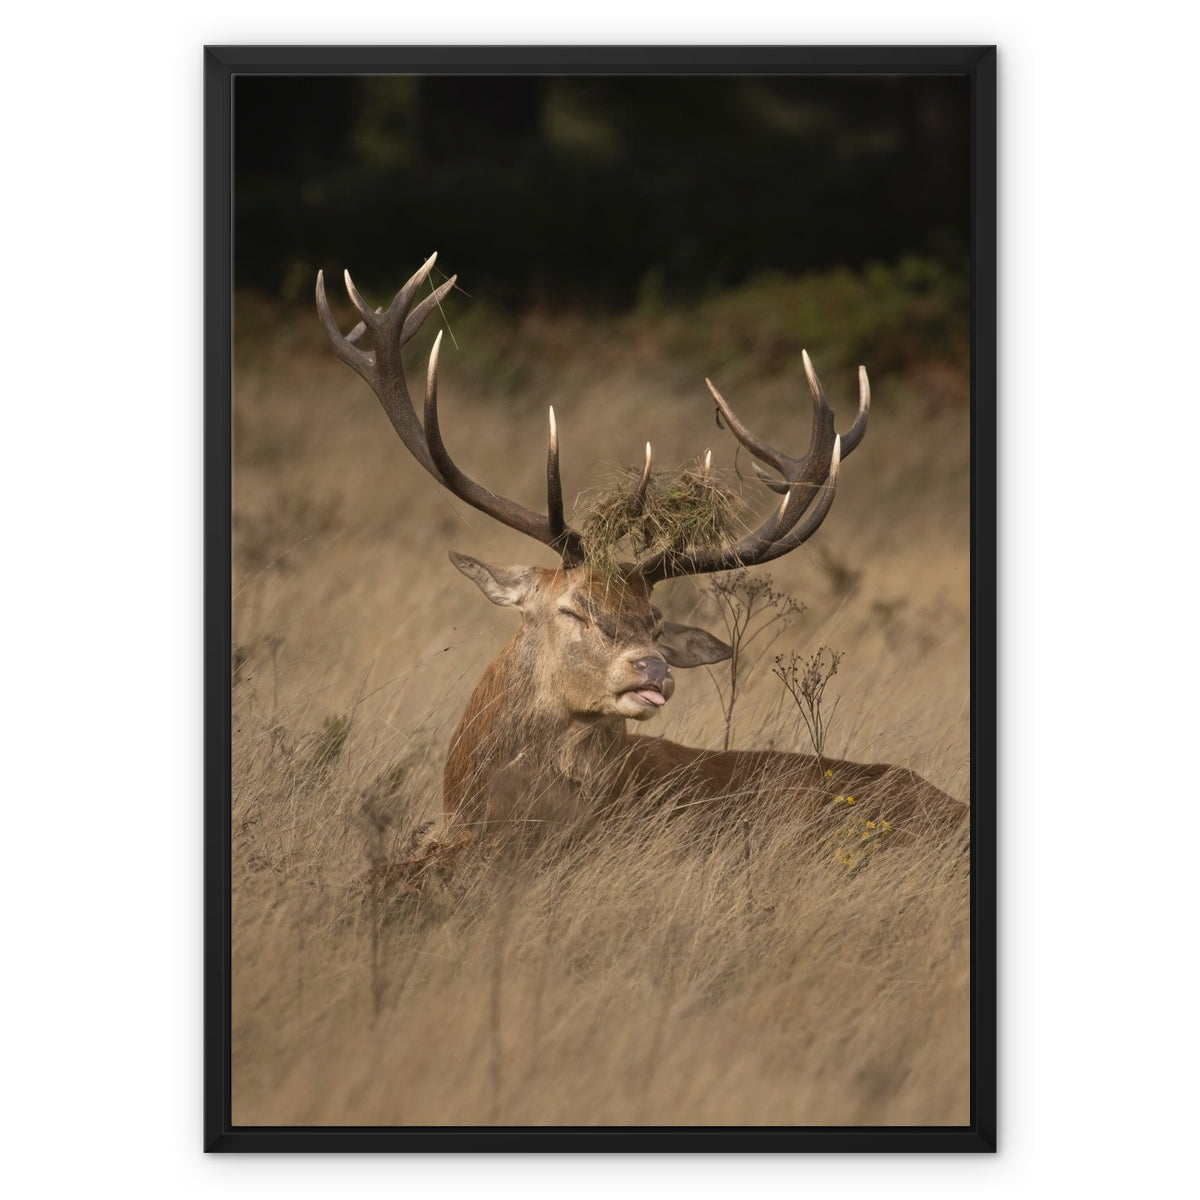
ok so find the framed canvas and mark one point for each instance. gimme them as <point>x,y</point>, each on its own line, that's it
<point>589,868</point>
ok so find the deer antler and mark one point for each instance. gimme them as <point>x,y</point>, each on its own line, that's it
<point>382,367</point>
<point>804,479</point>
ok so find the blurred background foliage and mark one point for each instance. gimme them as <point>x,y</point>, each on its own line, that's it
<point>609,193</point>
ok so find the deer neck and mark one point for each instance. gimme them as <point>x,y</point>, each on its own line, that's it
<point>514,720</point>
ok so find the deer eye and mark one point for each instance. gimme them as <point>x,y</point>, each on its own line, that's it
<point>570,612</point>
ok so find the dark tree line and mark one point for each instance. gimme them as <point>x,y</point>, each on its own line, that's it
<point>587,187</point>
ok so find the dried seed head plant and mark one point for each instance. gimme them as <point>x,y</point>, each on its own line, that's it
<point>806,680</point>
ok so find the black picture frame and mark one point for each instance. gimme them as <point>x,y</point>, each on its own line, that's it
<point>222,64</point>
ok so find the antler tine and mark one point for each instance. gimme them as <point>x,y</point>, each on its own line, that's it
<point>756,446</point>
<point>804,474</point>
<point>416,318</point>
<point>776,485</point>
<point>637,503</point>
<point>369,314</point>
<point>554,497</point>
<point>565,540</point>
<point>551,530</point>
<point>854,434</point>
<point>356,333</point>
<point>403,299</point>
<point>342,346</point>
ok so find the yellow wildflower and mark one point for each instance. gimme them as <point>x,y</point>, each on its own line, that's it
<point>870,824</point>
<point>828,774</point>
<point>849,799</point>
<point>886,824</point>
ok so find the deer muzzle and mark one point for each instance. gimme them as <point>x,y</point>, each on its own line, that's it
<point>656,685</point>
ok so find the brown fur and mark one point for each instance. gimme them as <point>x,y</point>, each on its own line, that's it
<point>543,739</point>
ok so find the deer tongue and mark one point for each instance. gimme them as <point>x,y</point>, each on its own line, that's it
<point>651,696</point>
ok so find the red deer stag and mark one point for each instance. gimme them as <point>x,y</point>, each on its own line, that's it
<point>543,738</point>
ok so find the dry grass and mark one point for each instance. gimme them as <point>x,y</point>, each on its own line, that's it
<point>645,975</point>
<point>682,509</point>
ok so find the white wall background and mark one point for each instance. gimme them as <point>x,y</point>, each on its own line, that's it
<point>100,490</point>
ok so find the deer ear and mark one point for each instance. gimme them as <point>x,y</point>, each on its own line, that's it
<point>501,585</point>
<point>687,646</point>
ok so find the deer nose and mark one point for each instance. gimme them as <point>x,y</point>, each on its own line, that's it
<point>656,672</point>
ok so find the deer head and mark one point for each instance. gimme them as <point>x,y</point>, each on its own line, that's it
<point>597,645</point>
<point>591,644</point>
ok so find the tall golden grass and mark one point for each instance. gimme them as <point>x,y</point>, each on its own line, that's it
<point>646,973</point>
